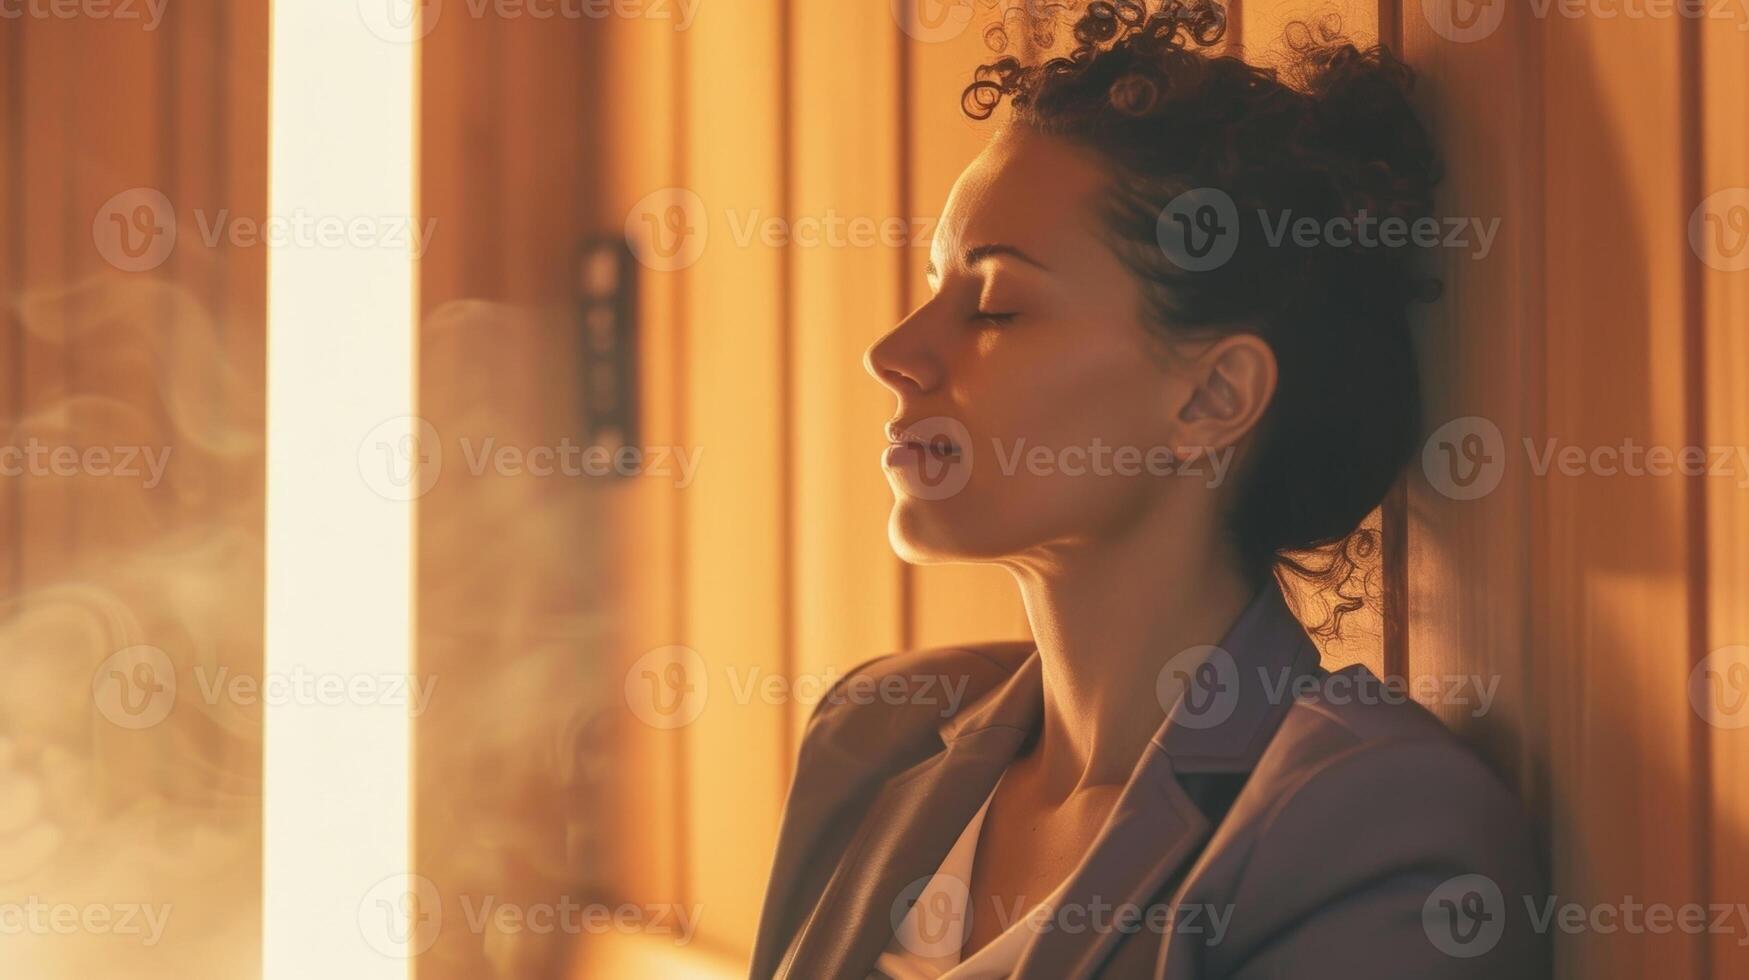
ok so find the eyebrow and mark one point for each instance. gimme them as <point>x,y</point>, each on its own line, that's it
<point>978,253</point>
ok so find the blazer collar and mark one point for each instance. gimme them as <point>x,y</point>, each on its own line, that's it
<point>1226,711</point>
<point>1233,697</point>
<point>1221,722</point>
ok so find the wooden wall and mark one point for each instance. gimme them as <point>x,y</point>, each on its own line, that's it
<point>514,573</point>
<point>1597,601</point>
<point>162,357</point>
<point>1588,599</point>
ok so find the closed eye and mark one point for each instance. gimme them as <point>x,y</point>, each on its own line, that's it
<point>995,317</point>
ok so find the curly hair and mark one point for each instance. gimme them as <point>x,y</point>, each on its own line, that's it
<point>1330,137</point>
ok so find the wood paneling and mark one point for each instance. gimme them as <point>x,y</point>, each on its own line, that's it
<point>1468,558</point>
<point>844,291</point>
<point>1614,589</point>
<point>1581,603</point>
<point>1722,342</point>
<point>642,524</point>
<point>738,404</point>
<point>514,575</point>
<point>163,359</point>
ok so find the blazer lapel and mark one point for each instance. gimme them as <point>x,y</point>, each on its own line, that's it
<point>1154,828</point>
<point>1222,719</point>
<point>909,828</point>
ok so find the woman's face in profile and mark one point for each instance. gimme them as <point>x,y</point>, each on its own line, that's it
<point>1041,399</point>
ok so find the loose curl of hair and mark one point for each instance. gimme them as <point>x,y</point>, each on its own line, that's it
<point>1330,136</point>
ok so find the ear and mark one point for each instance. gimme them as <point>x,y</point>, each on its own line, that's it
<point>1231,383</point>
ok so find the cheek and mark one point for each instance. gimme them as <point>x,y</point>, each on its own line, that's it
<point>1062,397</point>
<point>1048,424</point>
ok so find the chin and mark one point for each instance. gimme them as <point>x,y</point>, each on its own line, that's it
<point>929,532</point>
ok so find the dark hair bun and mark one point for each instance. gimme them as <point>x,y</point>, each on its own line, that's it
<point>1331,137</point>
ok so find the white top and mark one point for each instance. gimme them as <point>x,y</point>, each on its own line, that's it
<point>927,944</point>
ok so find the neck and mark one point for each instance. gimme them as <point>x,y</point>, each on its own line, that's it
<point>1107,616</point>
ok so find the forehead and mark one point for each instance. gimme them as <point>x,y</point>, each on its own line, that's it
<point>1026,189</point>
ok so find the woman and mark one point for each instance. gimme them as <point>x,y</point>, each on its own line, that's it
<point>1140,390</point>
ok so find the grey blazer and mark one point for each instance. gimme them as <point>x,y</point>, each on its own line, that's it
<point>1282,823</point>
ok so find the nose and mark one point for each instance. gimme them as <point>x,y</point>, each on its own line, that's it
<point>901,361</point>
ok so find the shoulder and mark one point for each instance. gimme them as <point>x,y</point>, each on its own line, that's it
<point>1350,745</point>
<point>1363,812</point>
<point>928,685</point>
<point>887,711</point>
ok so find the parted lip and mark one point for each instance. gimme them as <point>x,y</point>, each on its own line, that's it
<point>902,432</point>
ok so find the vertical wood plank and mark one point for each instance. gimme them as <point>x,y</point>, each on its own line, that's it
<point>509,164</point>
<point>641,524</point>
<point>124,132</point>
<point>1469,520</point>
<point>854,240</point>
<point>47,214</point>
<point>96,103</point>
<point>12,249</point>
<point>1615,621</point>
<point>737,399</point>
<point>1724,283</point>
